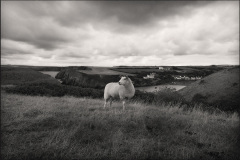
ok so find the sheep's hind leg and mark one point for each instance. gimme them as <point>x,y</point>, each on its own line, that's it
<point>111,102</point>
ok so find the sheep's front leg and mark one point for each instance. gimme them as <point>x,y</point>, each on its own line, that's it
<point>123,99</point>
<point>105,104</point>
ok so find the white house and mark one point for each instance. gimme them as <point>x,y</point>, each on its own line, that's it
<point>164,68</point>
<point>151,76</point>
<point>193,78</point>
<point>167,68</point>
<point>186,78</point>
<point>161,68</point>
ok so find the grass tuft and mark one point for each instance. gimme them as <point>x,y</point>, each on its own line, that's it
<point>39,127</point>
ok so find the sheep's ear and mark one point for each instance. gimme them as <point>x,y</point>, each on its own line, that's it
<point>120,76</point>
<point>127,76</point>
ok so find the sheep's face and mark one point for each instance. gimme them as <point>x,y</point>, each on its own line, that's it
<point>124,81</point>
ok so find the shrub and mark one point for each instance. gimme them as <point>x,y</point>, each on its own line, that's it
<point>198,98</point>
<point>160,97</point>
<point>10,75</point>
<point>202,82</point>
<point>58,90</point>
<point>55,90</point>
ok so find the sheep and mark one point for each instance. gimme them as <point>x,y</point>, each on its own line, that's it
<point>124,89</point>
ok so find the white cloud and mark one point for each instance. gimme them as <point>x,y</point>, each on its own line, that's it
<point>188,33</point>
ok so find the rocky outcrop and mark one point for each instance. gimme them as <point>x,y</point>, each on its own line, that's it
<point>76,78</point>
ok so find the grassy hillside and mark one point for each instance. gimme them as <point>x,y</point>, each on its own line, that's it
<point>98,77</point>
<point>221,88</point>
<point>15,75</point>
<point>51,73</point>
<point>186,70</point>
<point>104,71</point>
<point>35,127</point>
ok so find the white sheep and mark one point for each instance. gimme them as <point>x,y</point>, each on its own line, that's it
<point>123,89</point>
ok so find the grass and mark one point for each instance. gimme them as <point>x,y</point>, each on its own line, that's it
<point>16,76</point>
<point>39,127</point>
<point>104,71</point>
<point>220,89</point>
<point>51,73</point>
<point>58,90</point>
<point>135,70</point>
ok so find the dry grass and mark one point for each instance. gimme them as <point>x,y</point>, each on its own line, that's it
<point>35,127</point>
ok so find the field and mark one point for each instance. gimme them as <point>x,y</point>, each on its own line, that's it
<point>39,127</point>
<point>220,89</point>
<point>160,87</point>
<point>191,70</point>
<point>42,119</point>
<point>104,71</point>
<point>135,70</point>
<point>51,73</point>
<point>15,75</point>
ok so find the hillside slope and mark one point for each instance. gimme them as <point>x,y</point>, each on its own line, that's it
<point>76,78</point>
<point>221,88</point>
<point>39,127</point>
<point>17,75</point>
<point>104,71</point>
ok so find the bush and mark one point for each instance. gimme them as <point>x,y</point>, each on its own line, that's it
<point>16,76</point>
<point>55,90</point>
<point>198,98</point>
<point>164,96</point>
<point>58,90</point>
<point>202,82</point>
<point>158,98</point>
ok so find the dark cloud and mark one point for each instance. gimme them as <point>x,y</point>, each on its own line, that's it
<point>124,16</point>
<point>12,49</point>
<point>22,21</point>
<point>119,16</point>
<point>120,30</point>
<point>13,52</point>
<point>46,56</point>
<point>45,38</point>
<point>74,55</point>
<point>70,55</point>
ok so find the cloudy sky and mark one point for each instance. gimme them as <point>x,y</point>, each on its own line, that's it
<point>106,33</point>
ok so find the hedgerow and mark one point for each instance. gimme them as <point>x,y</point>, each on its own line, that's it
<point>160,97</point>
<point>58,90</point>
<point>157,98</point>
<point>54,90</point>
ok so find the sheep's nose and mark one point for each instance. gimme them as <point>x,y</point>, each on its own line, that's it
<point>119,83</point>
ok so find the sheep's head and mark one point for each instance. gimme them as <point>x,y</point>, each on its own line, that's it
<point>125,80</point>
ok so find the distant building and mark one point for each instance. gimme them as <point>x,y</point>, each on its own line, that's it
<point>193,78</point>
<point>187,78</point>
<point>165,68</point>
<point>151,76</point>
<point>181,78</point>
